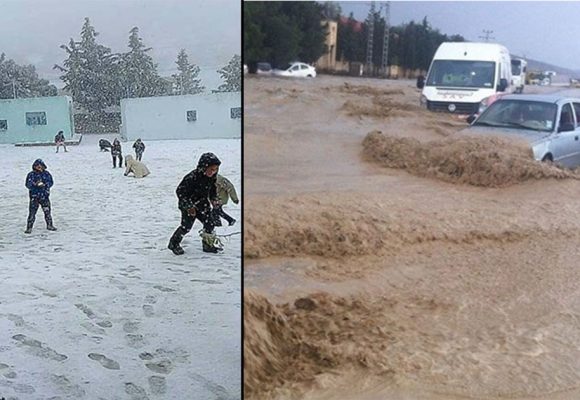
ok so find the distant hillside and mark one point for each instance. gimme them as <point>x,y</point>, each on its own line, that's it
<point>563,74</point>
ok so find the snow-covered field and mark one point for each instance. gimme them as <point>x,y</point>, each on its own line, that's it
<point>101,309</point>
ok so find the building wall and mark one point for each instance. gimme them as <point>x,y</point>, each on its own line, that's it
<point>166,117</point>
<point>58,117</point>
<point>328,61</point>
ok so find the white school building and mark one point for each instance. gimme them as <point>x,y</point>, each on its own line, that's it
<point>200,116</point>
<point>35,120</point>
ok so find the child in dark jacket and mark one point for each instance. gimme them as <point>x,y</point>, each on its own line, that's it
<point>39,181</point>
<point>104,145</point>
<point>117,153</point>
<point>59,140</point>
<point>139,147</point>
<point>194,193</point>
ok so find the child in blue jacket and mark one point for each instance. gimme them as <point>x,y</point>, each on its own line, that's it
<point>39,181</point>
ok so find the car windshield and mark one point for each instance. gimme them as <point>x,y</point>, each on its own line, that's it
<point>286,67</point>
<point>264,66</point>
<point>476,74</point>
<point>519,114</point>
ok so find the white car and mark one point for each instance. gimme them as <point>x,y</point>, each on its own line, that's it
<point>296,69</point>
<point>549,123</point>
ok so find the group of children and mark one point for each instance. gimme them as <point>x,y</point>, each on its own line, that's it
<point>117,151</point>
<point>201,194</point>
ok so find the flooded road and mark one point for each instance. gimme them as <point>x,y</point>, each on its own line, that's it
<point>406,264</point>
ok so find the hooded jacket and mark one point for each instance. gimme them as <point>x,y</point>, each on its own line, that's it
<point>196,189</point>
<point>225,190</point>
<point>138,168</point>
<point>139,146</point>
<point>59,138</point>
<point>116,148</point>
<point>39,183</point>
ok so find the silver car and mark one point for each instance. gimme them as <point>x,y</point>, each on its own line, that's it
<point>550,123</point>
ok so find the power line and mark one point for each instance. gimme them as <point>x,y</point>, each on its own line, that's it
<point>487,37</point>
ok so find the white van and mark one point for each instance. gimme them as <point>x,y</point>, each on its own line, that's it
<point>465,77</point>
<point>519,69</point>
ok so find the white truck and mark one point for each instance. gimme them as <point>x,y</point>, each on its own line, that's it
<point>466,77</point>
<point>519,69</point>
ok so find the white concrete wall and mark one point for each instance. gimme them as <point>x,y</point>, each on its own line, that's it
<point>165,117</point>
<point>58,111</point>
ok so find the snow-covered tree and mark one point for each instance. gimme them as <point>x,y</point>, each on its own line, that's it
<point>138,72</point>
<point>22,81</point>
<point>185,80</point>
<point>89,72</point>
<point>231,75</point>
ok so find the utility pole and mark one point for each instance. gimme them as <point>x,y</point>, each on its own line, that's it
<point>13,88</point>
<point>386,37</point>
<point>370,37</point>
<point>486,37</point>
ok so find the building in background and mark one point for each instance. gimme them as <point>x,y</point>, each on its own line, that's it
<point>200,116</point>
<point>328,60</point>
<point>35,120</point>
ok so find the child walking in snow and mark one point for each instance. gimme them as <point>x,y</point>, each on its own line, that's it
<point>139,147</point>
<point>225,191</point>
<point>117,152</point>
<point>59,141</point>
<point>39,181</point>
<point>195,192</point>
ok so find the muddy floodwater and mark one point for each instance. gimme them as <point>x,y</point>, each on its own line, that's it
<point>389,257</point>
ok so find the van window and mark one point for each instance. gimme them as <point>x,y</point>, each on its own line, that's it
<point>456,73</point>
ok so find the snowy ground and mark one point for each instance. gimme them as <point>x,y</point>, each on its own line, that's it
<point>101,309</point>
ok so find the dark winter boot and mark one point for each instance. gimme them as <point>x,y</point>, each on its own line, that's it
<point>175,248</point>
<point>51,228</point>
<point>28,229</point>
<point>208,248</point>
<point>210,242</point>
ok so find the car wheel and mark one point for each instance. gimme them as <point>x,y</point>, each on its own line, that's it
<point>548,158</point>
<point>309,76</point>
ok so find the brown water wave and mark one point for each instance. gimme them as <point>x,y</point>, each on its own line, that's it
<point>275,352</point>
<point>362,90</point>
<point>353,226</point>
<point>403,338</point>
<point>479,161</point>
<point>293,343</point>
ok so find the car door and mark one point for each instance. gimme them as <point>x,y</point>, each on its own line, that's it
<point>576,159</point>
<point>565,149</point>
<point>295,70</point>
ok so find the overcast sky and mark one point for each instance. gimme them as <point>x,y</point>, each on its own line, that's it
<point>547,31</point>
<point>32,31</point>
